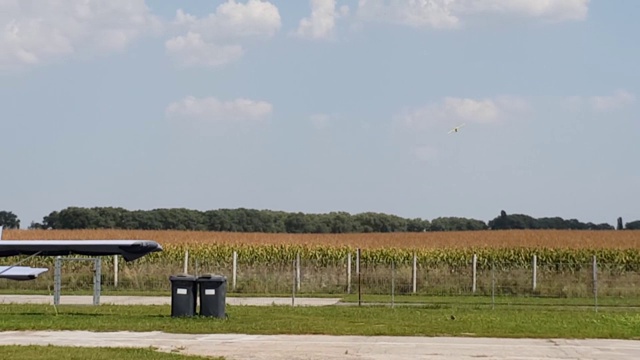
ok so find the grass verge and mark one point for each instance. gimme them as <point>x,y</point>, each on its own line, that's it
<point>33,352</point>
<point>332,320</point>
<point>536,301</point>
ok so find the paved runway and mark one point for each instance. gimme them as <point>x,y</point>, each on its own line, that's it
<point>312,347</point>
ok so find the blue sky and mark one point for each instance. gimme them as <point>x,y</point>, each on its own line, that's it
<point>322,105</point>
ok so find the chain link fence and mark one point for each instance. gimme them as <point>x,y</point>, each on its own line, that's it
<point>596,284</point>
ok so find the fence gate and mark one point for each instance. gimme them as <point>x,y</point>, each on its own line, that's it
<point>97,273</point>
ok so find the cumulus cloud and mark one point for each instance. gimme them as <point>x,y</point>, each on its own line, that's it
<point>618,100</point>
<point>211,109</point>
<point>437,14</point>
<point>321,23</point>
<point>216,39</point>
<point>194,51</point>
<point>36,32</point>
<point>452,110</point>
<point>448,14</point>
<point>554,10</point>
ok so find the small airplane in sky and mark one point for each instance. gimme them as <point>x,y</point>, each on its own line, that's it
<point>455,129</point>
<point>129,249</point>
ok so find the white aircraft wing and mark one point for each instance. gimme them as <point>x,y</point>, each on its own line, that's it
<point>20,272</point>
<point>128,249</point>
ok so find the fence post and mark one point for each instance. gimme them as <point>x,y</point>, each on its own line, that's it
<point>298,271</point>
<point>535,271</point>
<point>115,271</point>
<point>475,263</point>
<point>186,261</point>
<point>358,261</point>
<point>393,282</point>
<point>97,275</point>
<point>493,286</point>
<point>359,277</point>
<point>415,273</point>
<point>595,282</point>
<point>349,273</point>
<point>57,281</point>
<point>234,273</point>
<point>293,285</point>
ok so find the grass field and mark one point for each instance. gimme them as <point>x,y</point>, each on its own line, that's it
<point>332,320</point>
<point>86,353</point>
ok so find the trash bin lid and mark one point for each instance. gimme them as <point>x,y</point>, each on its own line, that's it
<point>212,277</point>
<point>182,277</point>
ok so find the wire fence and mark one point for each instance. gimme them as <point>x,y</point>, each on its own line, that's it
<point>596,284</point>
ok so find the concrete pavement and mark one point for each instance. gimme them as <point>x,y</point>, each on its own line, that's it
<point>312,347</point>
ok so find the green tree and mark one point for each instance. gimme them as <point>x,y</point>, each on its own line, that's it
<point>634,225</point>
<point>9,220</point>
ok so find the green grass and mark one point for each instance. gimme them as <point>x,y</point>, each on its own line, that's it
<point>50,352</point>
<point>532,301</point>
<point>333,320</point>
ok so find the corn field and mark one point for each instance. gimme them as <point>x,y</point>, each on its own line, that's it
<point>569,239</point>
<point>266,262</point>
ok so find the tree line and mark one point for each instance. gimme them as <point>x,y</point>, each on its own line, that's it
<point>269,221</point>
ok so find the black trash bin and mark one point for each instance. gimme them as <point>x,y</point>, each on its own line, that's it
<point>213,294</point>
<point>184,291</point>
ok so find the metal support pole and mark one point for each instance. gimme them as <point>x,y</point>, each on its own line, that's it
<point>115,271</point>
<point>475,263</point>
<point>349,273</point>
<point>293,285</point>
<point>493,286</point>
<point>393,282</point>
<point>57,281</point>
<point>298,271</point>
<point>358,262</point>
<point>415,273</point>
<point>359,278</point>
<point>534,266</point>
<point>97,275</point>
<point>235,269</point>
<point>595,282</point>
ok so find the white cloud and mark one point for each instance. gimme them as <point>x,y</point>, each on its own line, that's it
<point>193,51</point>
<point>211,109</point>
<point>447,14</point>
<point>36,32</point>
<point>618,100</point>
<point>214,40</point>
<point>555,10</point>
<point>322,21</point>
<point>416,13</point>
<point>453,110</point>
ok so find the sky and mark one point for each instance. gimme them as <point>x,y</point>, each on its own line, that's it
<point>322,105</point>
